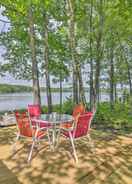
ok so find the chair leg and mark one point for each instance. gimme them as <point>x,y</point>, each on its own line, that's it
<point>14,144</point>
<point>53,138</point>
<point>73,146</point>
<point>31,151</point>
<point>58,137</point>
<point>91,143</point>
<point>49,138</point>
<point>33,144</point>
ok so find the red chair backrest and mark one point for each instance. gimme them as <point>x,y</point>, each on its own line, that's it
<point>78,110</point>
<point>83,125</point>
<point>34,110</point>
<point>23,124</point>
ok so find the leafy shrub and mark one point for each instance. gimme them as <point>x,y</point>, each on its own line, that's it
<point>68,106</point>
<point>118,117</point>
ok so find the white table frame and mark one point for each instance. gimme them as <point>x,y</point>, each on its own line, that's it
<point>55,120</point>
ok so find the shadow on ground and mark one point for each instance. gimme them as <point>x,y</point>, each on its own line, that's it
<point>111,163</point>
<point>6,175</point>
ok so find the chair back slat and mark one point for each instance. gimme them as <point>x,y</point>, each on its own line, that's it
<point>83,125</point>
<point>34,110</point>
<point>77,111</point>
<point>23,124</point>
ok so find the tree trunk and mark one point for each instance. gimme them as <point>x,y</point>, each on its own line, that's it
<point>129,81</point>
<point>77,78</point>
<point>129,77</point>
<point>128,70</point>
<point>111,79</point>
<point>46,60</point>
<point>91,60</point>
<point>127,64</point>
<point>35,76</point>
<point>60,93</point>
<point>75,87</point>
<point>72,45</point>
<point>99,51</point>
<point>81,88</point>
<point>115,92</point>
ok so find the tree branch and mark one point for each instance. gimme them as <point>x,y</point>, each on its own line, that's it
<point>4,21</point>
<point>13,9</point>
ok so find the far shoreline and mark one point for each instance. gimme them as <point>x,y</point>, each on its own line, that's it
<point>9,88</point>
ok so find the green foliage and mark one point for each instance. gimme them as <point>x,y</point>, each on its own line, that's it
<point>119,117</point>
<point>6,88</point>
<point>100,26</point>
<point>67,107</point>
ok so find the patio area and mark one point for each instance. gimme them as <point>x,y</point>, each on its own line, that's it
<point>110,164</point>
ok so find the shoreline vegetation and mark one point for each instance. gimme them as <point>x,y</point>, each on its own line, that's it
<point>119,118</point>
<point>9,88</point>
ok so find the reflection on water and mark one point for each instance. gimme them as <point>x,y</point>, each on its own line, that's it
<point>21,100</point>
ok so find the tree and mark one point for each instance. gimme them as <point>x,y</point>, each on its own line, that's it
<point>35,75</point>
<point>26,10</point>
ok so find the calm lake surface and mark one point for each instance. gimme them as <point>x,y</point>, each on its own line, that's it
<point>14,101</point>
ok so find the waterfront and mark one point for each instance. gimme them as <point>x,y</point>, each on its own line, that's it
<point>12,101</point>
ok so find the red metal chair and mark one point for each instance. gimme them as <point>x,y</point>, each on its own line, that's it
<point>77,111</point>
<point>27,130</point>
<point>34,110</point>
<point>80,129</point>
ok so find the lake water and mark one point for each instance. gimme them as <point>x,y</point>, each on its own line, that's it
<point>21,100</point>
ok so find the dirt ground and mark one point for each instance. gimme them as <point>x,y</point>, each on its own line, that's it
<point>111,163</point>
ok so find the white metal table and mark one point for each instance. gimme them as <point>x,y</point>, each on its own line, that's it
<point>53,121</point>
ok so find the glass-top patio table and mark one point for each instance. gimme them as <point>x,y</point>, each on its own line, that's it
<point>54,121</point>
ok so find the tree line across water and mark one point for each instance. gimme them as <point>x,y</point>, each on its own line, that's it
<point>7,88</point>
<point>68,39</point>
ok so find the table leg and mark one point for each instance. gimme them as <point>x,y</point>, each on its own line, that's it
<point>55,136</point>
<point>58,136</point>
